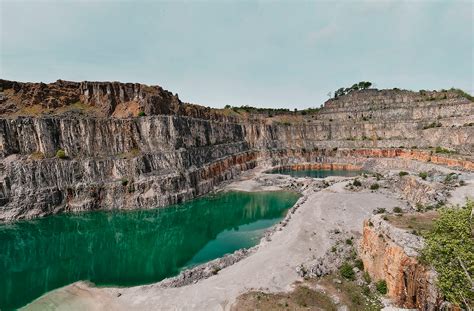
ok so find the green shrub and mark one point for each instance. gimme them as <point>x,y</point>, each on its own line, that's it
<point>141,114</point>
<point>443,150</point>
<point>61,154</point>
<point>381,287</point>
<point>366,277</point>
<point>359,264</point>
<point>124,182</point>
<point>432,125</point>
<point>348,241</point>
<point>346,271</point>
<point>449,250</point>
<point>379,210</point>
<point>423,175</point>
<point>215,270</point>
<point>402,173</point>
<point>374,186</point>
<point>356,183</point>
<point>419,207</point>
<point>450,177</point>
<point>397,210</point>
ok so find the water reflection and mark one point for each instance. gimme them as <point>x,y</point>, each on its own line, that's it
<point>129,248</point>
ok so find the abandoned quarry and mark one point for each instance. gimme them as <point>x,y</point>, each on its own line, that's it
<point>119,196</point>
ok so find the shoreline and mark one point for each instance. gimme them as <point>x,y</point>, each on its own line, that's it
<point>302,238</point>
<point>205,270</point>
<point>265,266</point>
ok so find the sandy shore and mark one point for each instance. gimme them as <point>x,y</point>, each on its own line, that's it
<point>271,268</point>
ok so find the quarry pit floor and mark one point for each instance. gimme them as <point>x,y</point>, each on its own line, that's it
<point>272,268</point>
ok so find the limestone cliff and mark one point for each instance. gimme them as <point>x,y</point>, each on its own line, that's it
<point>178,151</point>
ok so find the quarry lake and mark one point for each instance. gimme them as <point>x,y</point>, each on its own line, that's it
<point>317,173</point>
<point>130,247</point>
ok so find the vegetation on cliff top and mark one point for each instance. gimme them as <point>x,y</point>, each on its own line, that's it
<point>270,112</point>
<point>462,93</point>
<point>362,85</point>
<point>450,250</point>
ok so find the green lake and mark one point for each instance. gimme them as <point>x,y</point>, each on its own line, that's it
<point>317,173</point>
<point>125,248</point>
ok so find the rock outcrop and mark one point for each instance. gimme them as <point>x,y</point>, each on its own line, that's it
<point>105,99</point>
<point>390,254</point>
<point>177,151</point>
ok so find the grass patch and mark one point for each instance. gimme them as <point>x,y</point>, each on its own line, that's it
<point>33,110</point>
<point>77,107</point>
<point>443,150</point>
<point>420,222</point>
<point>346,271</point>
<point>302,298</point>
<point>357,298</point>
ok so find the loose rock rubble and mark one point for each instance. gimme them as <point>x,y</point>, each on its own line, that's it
<point>332,259</point>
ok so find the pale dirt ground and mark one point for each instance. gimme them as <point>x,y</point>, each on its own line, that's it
<point>461,194</point>
<point>271,268</point>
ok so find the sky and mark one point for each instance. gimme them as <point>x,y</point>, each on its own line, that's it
<point>282,54</point>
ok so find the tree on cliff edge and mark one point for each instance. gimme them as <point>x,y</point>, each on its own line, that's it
<point>362,85</point>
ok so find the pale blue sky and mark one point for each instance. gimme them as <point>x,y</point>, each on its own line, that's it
<point>275,54</point>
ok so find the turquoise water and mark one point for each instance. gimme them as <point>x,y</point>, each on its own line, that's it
<point>130,247</point>
<point>317,173</point>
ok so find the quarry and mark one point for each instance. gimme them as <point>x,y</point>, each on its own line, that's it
<point>345,241</point>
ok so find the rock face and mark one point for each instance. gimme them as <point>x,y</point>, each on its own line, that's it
<point>178,151</point>
<point>390,254</point>
<point>133,163</point>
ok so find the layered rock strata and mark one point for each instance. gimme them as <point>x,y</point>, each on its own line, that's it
<point>177,151</point>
